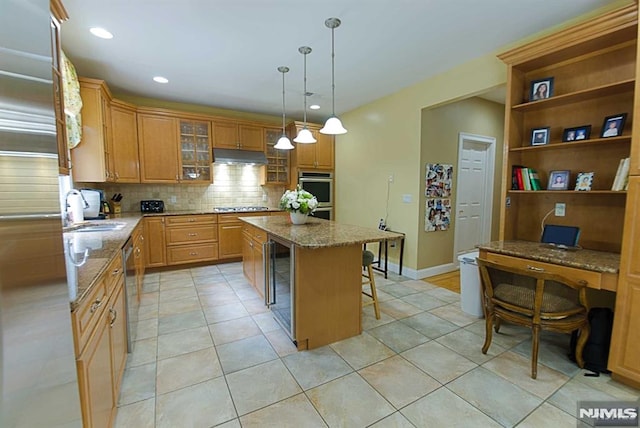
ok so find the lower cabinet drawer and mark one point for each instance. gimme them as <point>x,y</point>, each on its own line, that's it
<point>192,253</point>
<point>181,235</point>
<point>86,315</point>
<point>593,279</point>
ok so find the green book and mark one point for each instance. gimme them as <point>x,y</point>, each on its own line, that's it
<point>535,179</point>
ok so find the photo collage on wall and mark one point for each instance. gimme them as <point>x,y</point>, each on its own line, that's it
<point>438,193</point>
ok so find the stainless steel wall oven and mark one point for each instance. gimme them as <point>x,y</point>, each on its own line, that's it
<point>319,184</point>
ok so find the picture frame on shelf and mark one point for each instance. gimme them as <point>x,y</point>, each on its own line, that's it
<point>540,136</point>
<point>613,125</point>
<point>541,89</point>
<point>584,181</point>
<point>558,180</point>
<point>576,134</point>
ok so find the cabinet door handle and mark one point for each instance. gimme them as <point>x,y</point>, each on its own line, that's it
<point>95,305</point>
<point>114,313</point>
<point>534,268</point>
<point>115,272</point>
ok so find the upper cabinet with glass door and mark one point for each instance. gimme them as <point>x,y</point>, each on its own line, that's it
<point>278,160</point>
<point>195,151</point>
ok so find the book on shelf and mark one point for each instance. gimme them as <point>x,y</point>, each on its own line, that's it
<point>621,179</point>
<point>535,179</point>
<point>523,178</point>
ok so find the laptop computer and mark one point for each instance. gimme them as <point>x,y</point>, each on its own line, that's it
<point>560,236</point>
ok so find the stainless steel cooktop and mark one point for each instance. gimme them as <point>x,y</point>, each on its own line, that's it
<point>239,209</point>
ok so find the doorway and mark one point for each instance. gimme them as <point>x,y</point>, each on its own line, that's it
<point>474,192</point>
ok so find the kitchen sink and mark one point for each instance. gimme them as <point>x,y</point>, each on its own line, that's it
<point>95,227</point>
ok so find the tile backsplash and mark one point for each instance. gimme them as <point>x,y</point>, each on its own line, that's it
<point>233,185</point>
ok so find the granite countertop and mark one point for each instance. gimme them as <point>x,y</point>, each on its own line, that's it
<point>319,233</point>
<point>598,261</point>
<point>100,248</point>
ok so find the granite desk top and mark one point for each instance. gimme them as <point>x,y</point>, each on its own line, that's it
<point>598,261</point>
<point>319,233</point>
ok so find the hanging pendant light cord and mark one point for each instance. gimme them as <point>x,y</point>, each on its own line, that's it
<point>283,118</point>
<point>305,89</point>
<point>333,72</point>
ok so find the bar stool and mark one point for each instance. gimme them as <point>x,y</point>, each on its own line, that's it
<point>367,260</point>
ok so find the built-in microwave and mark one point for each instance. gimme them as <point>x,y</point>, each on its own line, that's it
<point>319,184</point>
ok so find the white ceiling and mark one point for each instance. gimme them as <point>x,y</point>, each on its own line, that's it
<point>225,53</point>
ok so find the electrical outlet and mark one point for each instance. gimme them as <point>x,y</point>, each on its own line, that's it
<point>560,209</point>
<point>390,178</point>
<point>407,199</point>
<point>173,199</point>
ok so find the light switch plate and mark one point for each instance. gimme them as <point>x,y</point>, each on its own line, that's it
<point>407,199</point>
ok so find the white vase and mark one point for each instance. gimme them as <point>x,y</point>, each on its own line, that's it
<point>297,217</point>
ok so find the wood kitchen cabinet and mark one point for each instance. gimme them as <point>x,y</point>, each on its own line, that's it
<point>191,238</point>
<point>234,135</point>
<point>319,155</point>
<point>100,339</point>
<point>158,148</point>
<point>277,168</point>
<point>139,255</point>
<point>58,15</point>
<point>195,151</point>
<point>230,234</point>
<point>252,254</point>
<point>108,150</point>
<point>154,241</point>
<point>124,157</point>
<point>92,159</point>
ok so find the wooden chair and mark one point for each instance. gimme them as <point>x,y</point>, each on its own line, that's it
<point>536,299</point>
<point>367,259</point>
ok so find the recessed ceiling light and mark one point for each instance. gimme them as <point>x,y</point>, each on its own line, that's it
<point>101,32</point>
<point>314,107</point>
<point>161,79</point>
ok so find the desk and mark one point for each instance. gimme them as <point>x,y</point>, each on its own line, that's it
<point>599,269</point>
<point>376,264</point>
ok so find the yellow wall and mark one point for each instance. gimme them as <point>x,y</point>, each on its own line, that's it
<point>440,135</point>
<point>385,138</point>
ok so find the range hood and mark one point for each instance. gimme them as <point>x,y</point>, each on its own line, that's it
<point>232,156</point>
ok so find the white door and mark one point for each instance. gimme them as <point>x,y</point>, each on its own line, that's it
<point>474,192</point>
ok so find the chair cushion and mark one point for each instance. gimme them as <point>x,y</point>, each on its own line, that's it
<point>367,258</point>
<point>524,295</point>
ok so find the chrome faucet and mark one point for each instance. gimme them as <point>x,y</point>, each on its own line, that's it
<point>66,217</point>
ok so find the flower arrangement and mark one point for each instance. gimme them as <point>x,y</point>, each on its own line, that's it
<point>298,201</point>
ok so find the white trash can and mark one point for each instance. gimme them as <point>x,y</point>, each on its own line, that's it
<point>470,288</point>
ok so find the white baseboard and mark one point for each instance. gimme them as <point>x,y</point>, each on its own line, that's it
<point>423,273</point>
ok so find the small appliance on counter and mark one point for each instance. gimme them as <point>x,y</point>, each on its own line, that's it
<point>94,198</point>
<point>152,206</point>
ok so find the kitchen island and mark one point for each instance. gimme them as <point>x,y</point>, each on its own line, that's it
<point>325,276</point>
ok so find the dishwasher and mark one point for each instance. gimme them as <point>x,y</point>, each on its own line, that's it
<point>131,293</point>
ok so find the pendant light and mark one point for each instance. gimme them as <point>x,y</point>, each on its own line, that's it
<point>283,143</point>
<point>333,126</point>
<point>305,136</point>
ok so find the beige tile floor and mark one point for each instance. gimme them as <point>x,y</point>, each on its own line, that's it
<point>208,353</point>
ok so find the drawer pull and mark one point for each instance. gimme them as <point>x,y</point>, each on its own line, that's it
<point>193,253</point>
<point>115,317</point>
<point>115,272</point>
<point>191,220</point>
<point>95,305</point>
<point>193,234</point>
<point>534,268</point>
